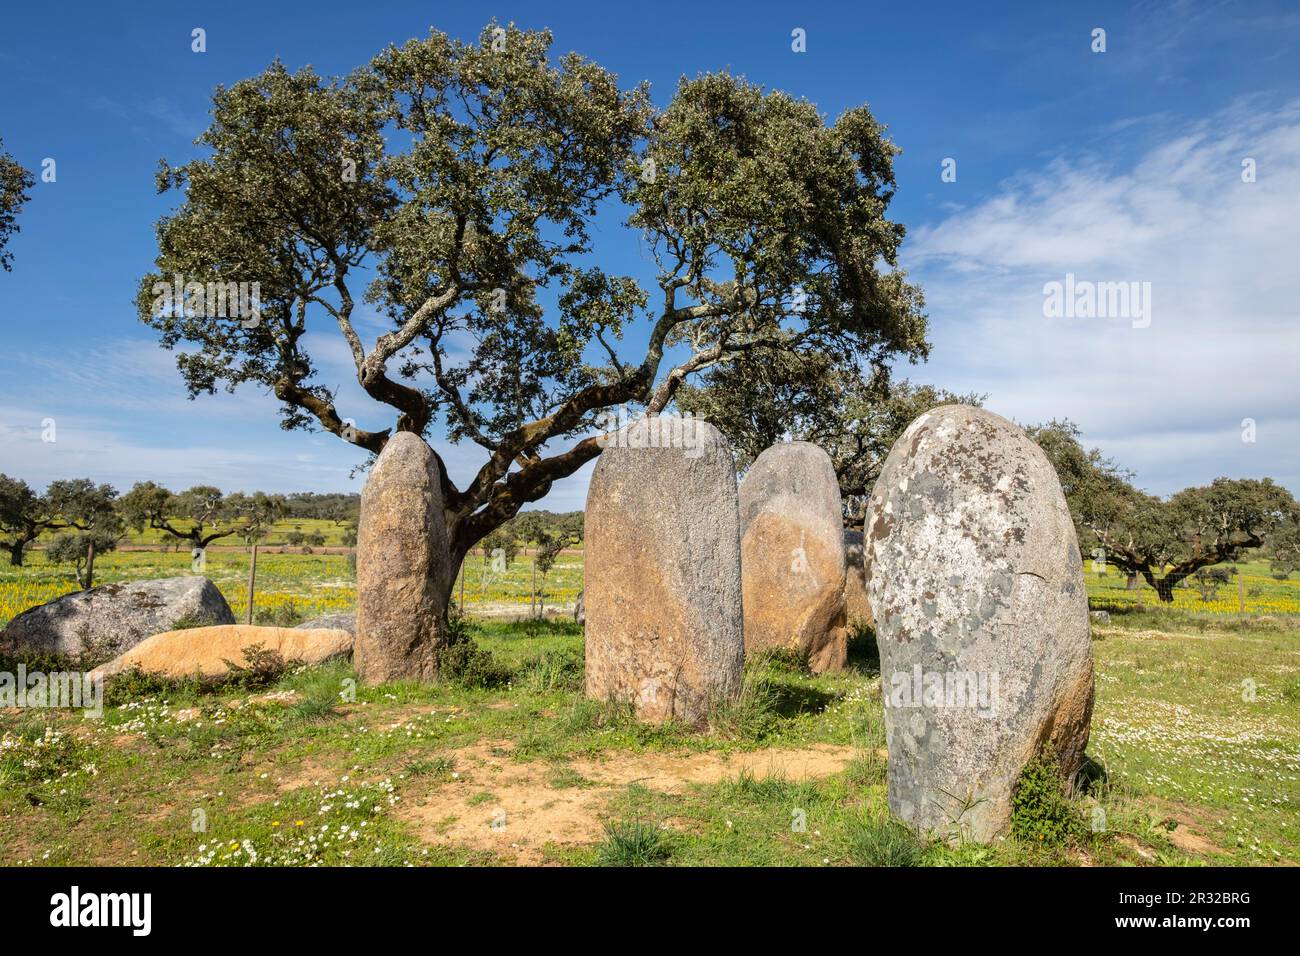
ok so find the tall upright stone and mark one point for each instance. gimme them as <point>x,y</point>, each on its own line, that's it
<point>792,555</point>
<point>403,577</point>
<point>856,605</point>
<point>976,583</point>
<point>661,586</point>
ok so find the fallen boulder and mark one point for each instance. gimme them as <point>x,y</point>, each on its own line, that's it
<point>203,652</point>
<point>104,621</point>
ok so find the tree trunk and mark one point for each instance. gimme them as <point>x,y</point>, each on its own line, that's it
<point>1165,589</point>
<point>1132,583</point>
<point>252,582</point>
<point>90,564</point>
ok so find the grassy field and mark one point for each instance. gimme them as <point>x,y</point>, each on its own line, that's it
<point>1196,736</point>
<point>291,586</point>
<point>1197,729</point>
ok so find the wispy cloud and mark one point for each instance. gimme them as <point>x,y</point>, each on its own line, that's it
<point>1220,256</point>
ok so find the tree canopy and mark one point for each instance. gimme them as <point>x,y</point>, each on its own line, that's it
<point>464,180</point>
<point>14,183</point>
<point>202,514</point>
<point>766,397</point>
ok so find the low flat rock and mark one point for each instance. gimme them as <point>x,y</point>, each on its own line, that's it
<point>112,618</point>
<point>977,589</point>
<point>203,651</point>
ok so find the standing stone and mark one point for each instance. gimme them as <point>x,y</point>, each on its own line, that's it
<point>856,606</point>
<point>661,586</point>
<point>403,577</point>
<point>977,586</point>
<point>792,555</point>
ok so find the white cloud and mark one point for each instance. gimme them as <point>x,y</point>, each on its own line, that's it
<point>1220,255</point>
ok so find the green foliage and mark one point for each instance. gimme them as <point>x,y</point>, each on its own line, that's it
<point>466,179</point>
<point>202,514</point>
<point>632,843</point>
<point>464,663</point>
<point>554,670</point>
<point>763,398</point>
<point>75,548</point>
<point>14,183</point>
<point>753,715</point>
<point>1163,540</point>
<point>40,754</point>
<point>1040,811</point>
<point>261,666</point>
<point>134,684</point>
<point>883,842</point>
<point>286,614</point>
<point>1291,690</point>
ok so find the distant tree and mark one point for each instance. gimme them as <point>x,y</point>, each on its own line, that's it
<point>549,537</point>
<point>79,549</point>
<point>91,510</point>
<point>14,183</point>
<point>1163,540</point>
<point>467,179</point>
<point>1284,548</point>
<point>199,515</point>
<point>24,515</point>
<point>1207,581</point>
<point>761,399</point>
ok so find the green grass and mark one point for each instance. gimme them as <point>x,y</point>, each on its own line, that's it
<point>1196,768</point>
<point>1196,735</point>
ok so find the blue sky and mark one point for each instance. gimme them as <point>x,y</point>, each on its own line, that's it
<point>1117,166</point>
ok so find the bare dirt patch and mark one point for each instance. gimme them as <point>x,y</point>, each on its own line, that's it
<point>515,810</point>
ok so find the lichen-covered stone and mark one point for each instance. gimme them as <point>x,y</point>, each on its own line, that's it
<point>856,606</point>
<point>112,618</point>
<point>661,589</point>
<point>403,575</point>
<point>792,555</point>
<point>977,589</point>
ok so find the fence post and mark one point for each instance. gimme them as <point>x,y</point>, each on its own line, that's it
<point>252,579</point>
<point>1241,591</point>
